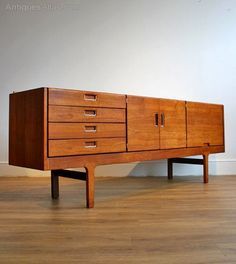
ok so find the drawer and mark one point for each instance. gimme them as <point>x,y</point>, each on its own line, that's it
<point>71,147</point>
<point>85,130</point>
<point>85,98</point>
<point>85,114</point>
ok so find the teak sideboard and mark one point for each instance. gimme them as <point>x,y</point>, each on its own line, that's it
<point>56,129</point>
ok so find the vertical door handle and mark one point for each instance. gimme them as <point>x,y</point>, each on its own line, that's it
<point>156,119</point>
<point>162,119</point>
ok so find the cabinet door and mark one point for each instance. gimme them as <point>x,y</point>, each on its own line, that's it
<point>142,123</point>
<point>173,124</point>
<point>205,124</point>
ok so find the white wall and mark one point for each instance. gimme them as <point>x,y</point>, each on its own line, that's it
<point>184,49</point>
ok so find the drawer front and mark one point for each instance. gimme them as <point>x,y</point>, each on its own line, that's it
<point>85,114</point>
<point>85,130</point>
<point>71,147</point>
<point>85,98</point>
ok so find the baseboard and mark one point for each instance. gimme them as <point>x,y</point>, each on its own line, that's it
<point>149,168</point>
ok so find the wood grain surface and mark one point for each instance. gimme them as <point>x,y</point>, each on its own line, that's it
<point>136,220</point>
<point>173,129</point>
<point>28,128</point>
<point>88,130</point>
<point>205,124</point>
<point>44,121</point>
<point>67,147</point>
<point>155,123</point>
<point>125,157</point>
<point>85,114</point>
<point>142,123</point>
<point>85,98</point>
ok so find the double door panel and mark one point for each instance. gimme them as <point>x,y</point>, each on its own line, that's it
<point>155,123</point>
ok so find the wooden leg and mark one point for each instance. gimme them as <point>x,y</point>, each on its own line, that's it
<point>54,185</point>
<point>90,186</point>
<point>170,169</point>
<point>205,168</point>
<point>203,162</point>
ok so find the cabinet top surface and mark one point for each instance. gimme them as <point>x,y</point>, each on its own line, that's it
<point>74,90</point>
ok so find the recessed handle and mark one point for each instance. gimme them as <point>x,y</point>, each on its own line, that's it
<point>90,129</point>
<point>90,97</point>
<point>156,119</point>
<point>90,112</point>
<point>90,144</point>
<point>162,119</point>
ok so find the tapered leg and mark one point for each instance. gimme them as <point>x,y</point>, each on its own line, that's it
<point>90,186</point>
<point>205,168</point>
<point>54,185</point>
<point>170,169</point>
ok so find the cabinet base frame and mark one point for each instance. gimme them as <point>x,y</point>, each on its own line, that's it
<point>203,162</point>
<point>87,176</point>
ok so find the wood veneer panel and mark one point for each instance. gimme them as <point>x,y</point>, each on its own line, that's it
<point>173,130</point>
<point>143,131</point>
<point>205,124</point>
<point>28,131</point>
<point>86,146</point>
<point>27,128</point>
<point>85,98</point>
<point>85,130</point>
<point>125,157</point>
<point>85,114</point>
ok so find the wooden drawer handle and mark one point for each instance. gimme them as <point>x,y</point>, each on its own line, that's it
<point>90,129</point>
<point>90,97</point>
<point>90,144</point>
<point>90,112</point>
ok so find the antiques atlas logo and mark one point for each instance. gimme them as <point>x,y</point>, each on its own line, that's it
<point>40,7</point>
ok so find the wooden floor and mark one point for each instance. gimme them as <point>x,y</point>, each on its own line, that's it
<point>135,220</point>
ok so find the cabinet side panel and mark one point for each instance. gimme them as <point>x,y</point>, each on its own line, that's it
<point>27,119</point>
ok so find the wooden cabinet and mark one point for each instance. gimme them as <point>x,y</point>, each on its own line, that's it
<point>55,129</point>
<point>155,123</point>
